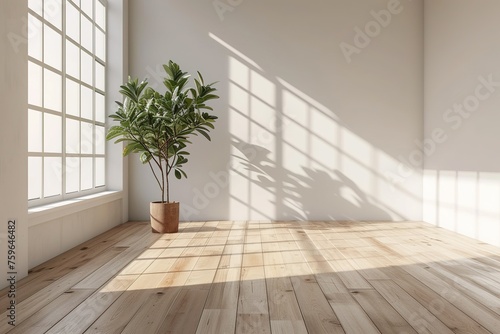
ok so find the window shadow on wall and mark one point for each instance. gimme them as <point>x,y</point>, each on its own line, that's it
<point>293,158</point>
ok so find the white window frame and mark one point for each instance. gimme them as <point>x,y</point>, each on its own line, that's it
<point>63,155</point>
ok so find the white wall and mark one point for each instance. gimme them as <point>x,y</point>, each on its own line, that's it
<point>13,135</point>
<point>51,236</point>
<point>117,73</point>
<point>462,174</point>
<point>303,132</point>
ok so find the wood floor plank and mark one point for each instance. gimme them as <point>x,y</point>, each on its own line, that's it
<point>187,260</point>
<point>469,269</point>
<point>43,320</point>
<point>81,317</point>
<point>485,281</point>
<point>445,311</point>
<point>467,287</point>
<point>351,278</point>
<point>126,263</point>
<point>215,321</point>
<point>253,260</point>
<point>146,281</point>
<point>118,315</point>
<point>202,279</point>
<point>216,240</point>
<point>46,273</point>
<point>253,324</point>
<point>421,319</point>
<point>383,315</point>
<point>219,314</point>
<point>266,277</point>
<point>86,250</point>
<point>253,310</point>
<point>284,310</point>
<point>350,315</point>
<point>160,265</point>
<point>318,316</point>
<point>185,313</point>
<point>162,295</point>
<point>150,317</point>
<point>224,290</point>
<point>472,290</point>
<point>370,268</point>
<point>472,308</point>
<point>175,279</point>
<point>232,256</point>
<point>42,298</point>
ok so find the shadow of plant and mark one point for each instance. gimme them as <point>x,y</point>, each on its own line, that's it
<point>313,194</point>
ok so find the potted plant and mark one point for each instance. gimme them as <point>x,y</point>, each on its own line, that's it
<point>158,127</point>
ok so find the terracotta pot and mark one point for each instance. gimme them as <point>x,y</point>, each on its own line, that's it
<point>164,217</point>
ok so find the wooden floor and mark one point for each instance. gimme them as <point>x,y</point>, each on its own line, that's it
<point>257,277</point>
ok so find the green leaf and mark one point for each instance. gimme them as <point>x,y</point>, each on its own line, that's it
<point>198,87</point>
<point>200,77</point>
<point>128,149</point>
<point>210,125</point>
<point>132,147</point>
<point>178,174</point>
<point>168,70</point>
<point>114,132</point>
<point>145,157</point>
<point>205,134</point>
<point>119,140</point>
<point>210,97</point>
<point>183,173</point>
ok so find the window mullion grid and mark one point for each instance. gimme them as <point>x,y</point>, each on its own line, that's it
<point>45,154</point>
<point>35,14</point>
<point>42,181</point>
<point>80,81</point>
<point>63,67</point>
<point>101,29</point>
<point>63,114</point>
<point>36,61</point>
<point>83,12</point>
<point>94,83</point>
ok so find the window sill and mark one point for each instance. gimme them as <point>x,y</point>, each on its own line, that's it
<point>42,214</point>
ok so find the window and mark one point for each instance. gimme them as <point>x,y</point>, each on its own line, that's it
<point>66,99</point>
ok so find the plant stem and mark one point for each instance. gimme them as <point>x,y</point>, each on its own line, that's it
<point>156,177</point>
<point>168,191</point>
